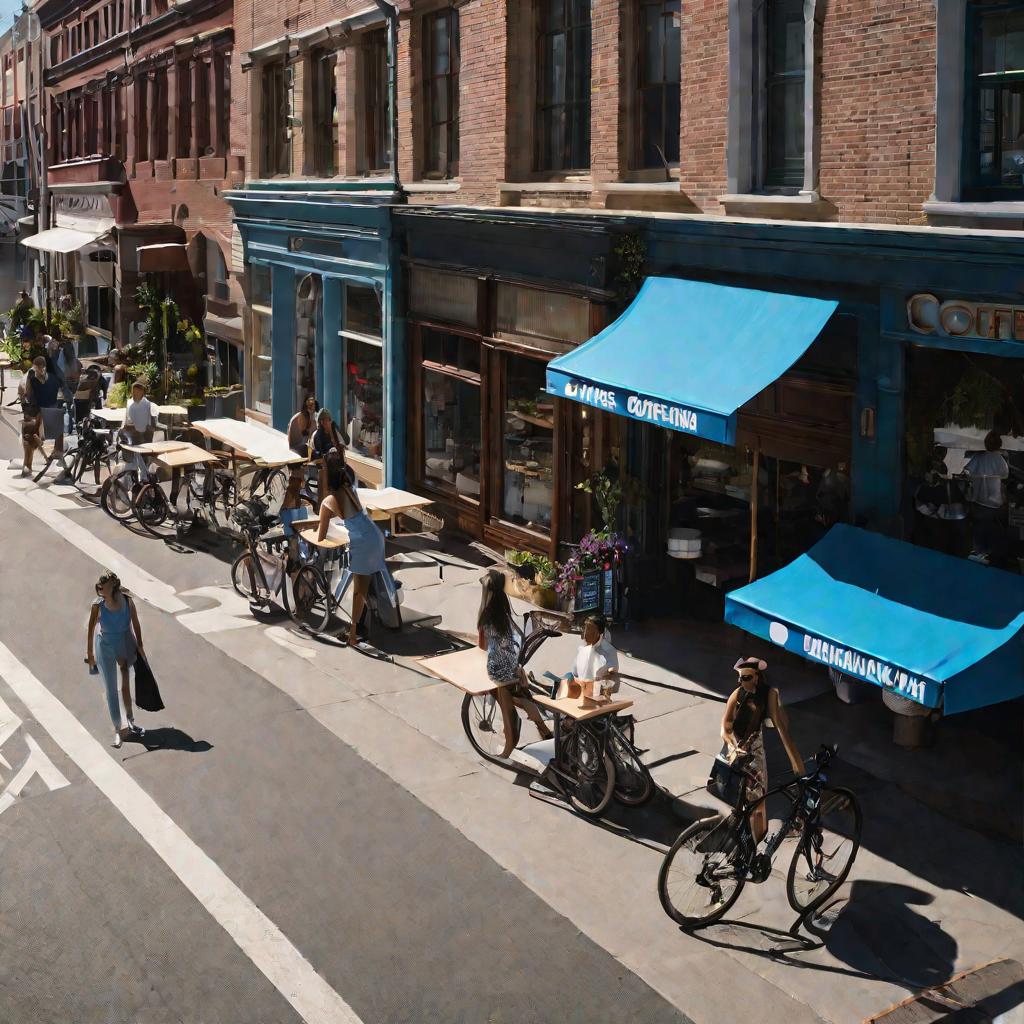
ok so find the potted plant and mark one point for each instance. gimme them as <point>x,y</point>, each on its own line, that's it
<point>224,402</point>
<point>522,562</point>
<point>196,408</point>
<point>545,580</point>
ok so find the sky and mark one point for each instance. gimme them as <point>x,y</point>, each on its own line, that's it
<point>7,12</point>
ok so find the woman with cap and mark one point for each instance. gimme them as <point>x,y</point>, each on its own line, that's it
<point>115,647</point>
<point>750,705</point>
<point>341,505</point>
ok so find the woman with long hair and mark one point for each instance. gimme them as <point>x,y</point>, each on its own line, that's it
<point>498,636</point>
<point>114,648</point>
<point>365,541</point>
<point>302,425</point>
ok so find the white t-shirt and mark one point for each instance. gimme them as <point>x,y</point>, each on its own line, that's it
<point>596,661</point>
<point>139,414</point>
<point>987,471</point>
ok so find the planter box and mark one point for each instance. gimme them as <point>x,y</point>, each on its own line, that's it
<point>229,406</point>
<point>196,412</point>
<point>527,590</point>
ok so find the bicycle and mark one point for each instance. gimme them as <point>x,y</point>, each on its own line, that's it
<point>707,867</point>
<point>92,454</point>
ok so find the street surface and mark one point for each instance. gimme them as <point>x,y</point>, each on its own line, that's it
<point>304,834</point>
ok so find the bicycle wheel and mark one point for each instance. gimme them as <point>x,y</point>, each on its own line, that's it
<point>484,722</point>
<point>151,507</point>
<point>594,773</point>
<point>826,850</point>
<point>274,489</point>
<point>633,783</point>
<point>246,580</point>
<point>116,495</point>
<point>696,883</point>
<point>310,604</point>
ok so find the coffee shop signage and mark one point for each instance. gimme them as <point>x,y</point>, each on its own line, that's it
<point>956,318</point>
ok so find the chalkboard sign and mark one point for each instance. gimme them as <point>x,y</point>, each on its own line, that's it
<point>588,594</point>
<point>609,594</point>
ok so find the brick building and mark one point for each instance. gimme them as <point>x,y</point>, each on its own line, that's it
<point>138,95</point>
<point>551,155</point>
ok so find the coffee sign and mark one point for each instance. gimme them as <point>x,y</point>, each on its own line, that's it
<point>955,318</point>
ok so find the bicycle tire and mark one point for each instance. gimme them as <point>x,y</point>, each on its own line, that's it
<point>310,605</point>
<point>633,783</point>
<point>274,488</point>
<point>116,496</point>
<point>240,580</point>
<point>594,784</point>
<point>482,717</point>
<point>837,797</point>
<point>690,840</point>
<point>151,507</point>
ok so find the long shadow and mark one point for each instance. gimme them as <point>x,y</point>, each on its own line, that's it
<point>168,737</point>
<point>877,936</point>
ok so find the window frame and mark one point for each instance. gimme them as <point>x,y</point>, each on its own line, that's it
<point>642,85</point>
<point>780,178</point>
<point>433,128</point>
<point>275,138</point>
<point>973,188</point>
<point>545,106</point>
<point>374,100</point>
<point>326,114</point>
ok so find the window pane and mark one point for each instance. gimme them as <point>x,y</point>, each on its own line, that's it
<point>553,15</point>
<point>451,350</point>
<point>531,311</point>
<point>261,349</point>
<point>1013,48</point>
<point>434,294</point>
<point>1012,135</point>
<point>653,68</point>
<point>362,311</point>
<point>653,127</point>
<point>451,433</point>
<point>528,493</point>
<point>672,102</point>
<point>439,44</point>
<point>439,100</point>
<point>987,135</point>
<point>786,36</point>
<point>364,397</point>
<point>259,284</point>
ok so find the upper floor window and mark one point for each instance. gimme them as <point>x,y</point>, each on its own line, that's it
<point>376,136</point>
<point>658,85</point>
<point>441,93</point>
<point>323,66</point>
<point>784,93</point>
<point>563,85</point>
<point>275,89</point>
<point>995,101</point>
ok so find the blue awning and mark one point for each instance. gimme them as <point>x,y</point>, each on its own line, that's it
<point>942,631</point>
<point>687,354</point>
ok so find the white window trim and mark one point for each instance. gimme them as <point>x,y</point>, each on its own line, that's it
<point>743,147</point>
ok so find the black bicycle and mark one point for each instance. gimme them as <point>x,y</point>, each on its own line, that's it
<point>704,872</point>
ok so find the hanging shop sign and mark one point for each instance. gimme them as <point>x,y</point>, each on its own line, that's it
<point>955,318</point>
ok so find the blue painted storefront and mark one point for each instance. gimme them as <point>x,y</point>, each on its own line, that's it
<point>345,238</point>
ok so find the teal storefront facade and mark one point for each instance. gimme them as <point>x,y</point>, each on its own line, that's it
<point>324,314</point>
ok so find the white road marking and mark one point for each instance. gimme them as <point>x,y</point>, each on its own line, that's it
<point>141,583</point>
<point>37,763</point>
<point>256,935</point>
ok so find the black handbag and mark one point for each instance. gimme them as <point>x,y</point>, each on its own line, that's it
<point>725,782</point>
<point>147,693</point>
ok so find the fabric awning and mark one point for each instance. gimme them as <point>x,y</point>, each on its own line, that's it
<point>62,240</point>
<point>161,256</point>
<point>938,630</point>
<point>687,354</point>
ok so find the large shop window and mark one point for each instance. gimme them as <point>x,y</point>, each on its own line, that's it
<point>563,85</point>
<point>533,313</point>
<point>658,86</point>
<point>100,308</point>
<point>528,443</point>
<point>996,101</point>
<point>437,295</point>
<point>364,371</point>
<point>260,366</point>
<point>452,420</point>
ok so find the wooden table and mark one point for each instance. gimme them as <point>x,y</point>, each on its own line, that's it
<point>574,708</point>
<point>307,529</point>
<point>466,670</point>
<point>183,455</point>
<point>115,417</point>
<point>266,447</point>
<point>155,447</point>
<point>388,503</point>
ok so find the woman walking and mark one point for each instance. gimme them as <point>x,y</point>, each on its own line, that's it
<point>498,636</point>
<point>365,541</point>
<point>114,649</point>
<point>751,704</point>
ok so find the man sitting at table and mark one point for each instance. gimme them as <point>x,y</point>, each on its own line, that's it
<point>596,660</point>
<point>139,419</point>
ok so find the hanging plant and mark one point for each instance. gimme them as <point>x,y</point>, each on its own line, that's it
<point>977,399</point>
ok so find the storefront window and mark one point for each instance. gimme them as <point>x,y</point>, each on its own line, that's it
<point>451,433</point>
<point>307,316</point>
<point>259,284</point>
<point>261,349</point>
<point>437,295</point>
<point>540,314</point>
<point>528,442</point>
<point>362,311</point>
<point>364,397</point>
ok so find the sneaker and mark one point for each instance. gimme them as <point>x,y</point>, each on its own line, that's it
<point>24,471</point>
<point>137,730</point>
<point>116,741</point>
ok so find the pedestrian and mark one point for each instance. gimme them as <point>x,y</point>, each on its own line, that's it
<point>301,427</point>
<point>39,391</point>
<point>498,636</point>
<point>365,541</point>
<point>114,649</point>
<point>327,435</point>
<point>753,703</point>
<point>987,472</point>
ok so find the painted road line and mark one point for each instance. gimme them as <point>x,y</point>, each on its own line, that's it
<point>256,935</point>
<point>142,584</point>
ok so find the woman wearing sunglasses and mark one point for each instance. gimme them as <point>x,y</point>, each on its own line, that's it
<point>751,704</point>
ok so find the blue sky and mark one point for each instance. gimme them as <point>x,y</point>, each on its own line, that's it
<point>7,11</point>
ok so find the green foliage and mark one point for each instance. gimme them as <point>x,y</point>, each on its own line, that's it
<point>547,571</point>
<point>515,557</point>
<point>143,371</point>
<point>10,345</point>
<point>630,258</point>
<point>117,398</point>
<point>976,399</point>
<point>607,493</point>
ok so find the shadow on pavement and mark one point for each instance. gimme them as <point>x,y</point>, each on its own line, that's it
<point>167,737</point>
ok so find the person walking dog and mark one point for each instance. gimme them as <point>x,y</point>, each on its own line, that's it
<point>114,649</point>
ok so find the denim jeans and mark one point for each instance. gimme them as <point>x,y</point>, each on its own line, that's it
<point>288,516</point>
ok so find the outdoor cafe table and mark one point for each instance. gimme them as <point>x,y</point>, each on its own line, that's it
<point>115,417</point>
<point>579,710</point>
<point>263,445</point>
<point>390,502</point>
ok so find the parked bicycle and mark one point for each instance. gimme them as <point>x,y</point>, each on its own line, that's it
<point>707,867</point>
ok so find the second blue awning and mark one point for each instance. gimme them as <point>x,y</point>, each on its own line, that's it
<point>687,354</point>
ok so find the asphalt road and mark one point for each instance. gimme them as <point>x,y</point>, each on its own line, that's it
<point>126,875</point>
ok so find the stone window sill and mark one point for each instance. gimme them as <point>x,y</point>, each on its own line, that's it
<point>998,210</point>
<point>641,186</point>
<point>427,185</point>
<point>545,186</point>
<point>802,204</point>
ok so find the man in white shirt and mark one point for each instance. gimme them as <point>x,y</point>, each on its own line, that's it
<point>988,472</point>
<point>596,659</point>
<point>139,420</point>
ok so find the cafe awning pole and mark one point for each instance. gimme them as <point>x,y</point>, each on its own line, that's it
<point>753,508</point>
